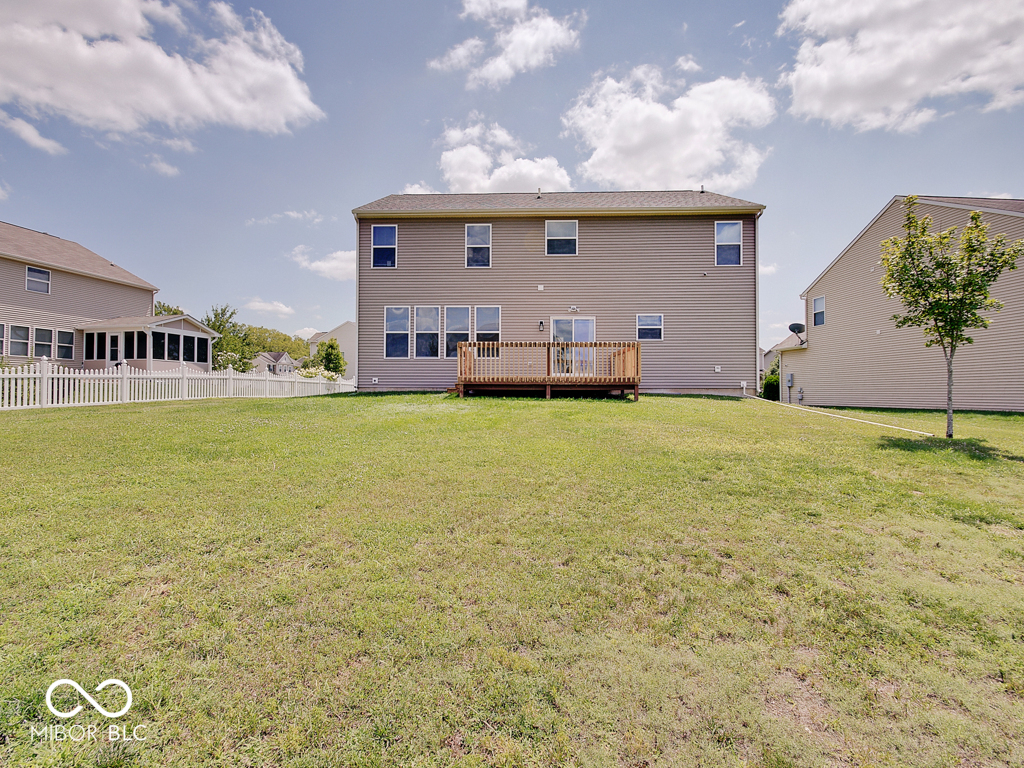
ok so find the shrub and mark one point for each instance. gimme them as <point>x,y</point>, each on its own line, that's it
<point>770,387</point>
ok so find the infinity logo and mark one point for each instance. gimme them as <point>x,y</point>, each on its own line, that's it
<point>90,699</point>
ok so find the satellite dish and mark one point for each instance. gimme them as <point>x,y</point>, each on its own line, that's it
<point>797,328</point>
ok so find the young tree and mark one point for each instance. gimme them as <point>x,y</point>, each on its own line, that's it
<point>328,354</point>
<point>233,347</point>
<point>944,282</point>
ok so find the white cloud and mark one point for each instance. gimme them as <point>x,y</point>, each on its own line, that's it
<point>158,164</point>
<point>687,64</point>
<point>30,135</point>
<point>311,217</point>
<point>524,39</point>
<point>487,158</point>
<point>97,65</point>
<point>638,141</point>
<point>269,307</point>
<point>420,188</point>
<point>461,56</point>
<point>5,191</point>
<point>767,269</point>
<point>340,265</point>
<point>885,63</point>
<point>305,333</point>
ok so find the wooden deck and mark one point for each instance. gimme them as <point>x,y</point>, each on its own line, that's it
<point>607,366</point>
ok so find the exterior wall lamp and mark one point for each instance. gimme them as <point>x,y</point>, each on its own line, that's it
<point>540,326</point>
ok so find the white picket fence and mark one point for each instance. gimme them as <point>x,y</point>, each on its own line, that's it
<point>48,385</point>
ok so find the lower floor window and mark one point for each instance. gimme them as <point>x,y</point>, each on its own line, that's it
<point>129,345</point>
<point>456,329</point>
<point>114,353</point>
<point>428,331</point>
<point>649,327</point>
<point>44,343</point>
<point>65,345</point>
<point>396,332</point>
<point>202,350</point>
<point>159,345</point>
<point>19,340</point>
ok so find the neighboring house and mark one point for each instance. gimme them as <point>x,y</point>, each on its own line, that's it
<point>347,338</point>
<point>855,356</point>
<point>64,302</point>
<point>275,362</point>
<point>676,270</point>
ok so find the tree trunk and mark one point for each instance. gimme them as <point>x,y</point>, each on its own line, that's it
<point>949,396</point>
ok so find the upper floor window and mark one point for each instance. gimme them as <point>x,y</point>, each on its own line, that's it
<point>649,327</point>
<point>560,237</point>
<point>385,245</point>
<point>37,280</point>
<point>478,245</point>
<point>819,310</point>
<point>728,243</point>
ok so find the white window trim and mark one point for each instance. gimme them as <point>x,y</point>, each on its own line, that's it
<point>3,340</point>
<point>717,243</point>
<point>56,343</point>
<point>813,313</point>
<point>28,342</point>
<point>661,327</point>
<point>373,227</point>
<point>476,325</point>
<point>49,279</point>
<point>490,246</point>
<point>546,238</point>
<point>415,330</point>
<point>408,333</point>
<point>35,341</point>
<point>468,331</point>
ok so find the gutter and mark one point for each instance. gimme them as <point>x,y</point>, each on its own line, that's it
<point>533,212</point>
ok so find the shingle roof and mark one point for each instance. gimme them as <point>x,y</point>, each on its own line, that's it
<point>143,321</point>
<point>45,250</point>
<point>983,203</point>
<point>525,203</point>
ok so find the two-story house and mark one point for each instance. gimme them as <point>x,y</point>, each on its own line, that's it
<point>675,271</point>
<point>61,301</point>
<point>852,353</point>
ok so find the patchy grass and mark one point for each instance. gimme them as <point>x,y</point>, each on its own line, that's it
<point>421,580</point>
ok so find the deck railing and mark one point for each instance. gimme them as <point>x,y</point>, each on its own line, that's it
<point>536,362</point>
<point>47,385</point>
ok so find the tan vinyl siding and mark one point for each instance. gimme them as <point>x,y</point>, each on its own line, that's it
<point>73,299</point>
<point>859,357</point>
<point>626,265</point>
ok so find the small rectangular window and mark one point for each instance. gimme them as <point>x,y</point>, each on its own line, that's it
<point>2,339</point>
<point>114,355</point>
<point>159,345</point>
<point>129,345</point>
<point>560,237</point>
<point>188,348</point>
<point>396,331</point>
<point>37,280</point>
<point>649,327</point>
<point>428,331</point>
<point>456,329</point>
<point>90,346</point>
<point>140,345</point>
<point>65,345</point>
<point>174,346</point>
<point>488,328</point>
<point>819,311</point>
<point>19,340</point>
<point>385,245</point>
<point>728,243</point>
<point>202,350</point>
<point>478,245</point>
<point>43,346</point>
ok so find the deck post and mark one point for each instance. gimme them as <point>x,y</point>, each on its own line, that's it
<point>547,392</point>
<point>636,392</point>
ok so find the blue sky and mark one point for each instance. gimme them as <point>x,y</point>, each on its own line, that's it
<point>217,150</point>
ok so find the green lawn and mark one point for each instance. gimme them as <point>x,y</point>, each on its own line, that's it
<point>419,580</point>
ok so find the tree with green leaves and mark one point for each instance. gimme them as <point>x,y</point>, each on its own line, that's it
<point>328,354</point>
<point>168,309</point>
<point>944,282</point>
<point>233,347</point>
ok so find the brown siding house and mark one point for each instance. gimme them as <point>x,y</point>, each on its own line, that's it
<point>855,356</point>
<point>676,270</point>
<point>62,301</point>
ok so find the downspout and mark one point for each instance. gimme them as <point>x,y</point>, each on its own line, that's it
<point>359,324</point>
